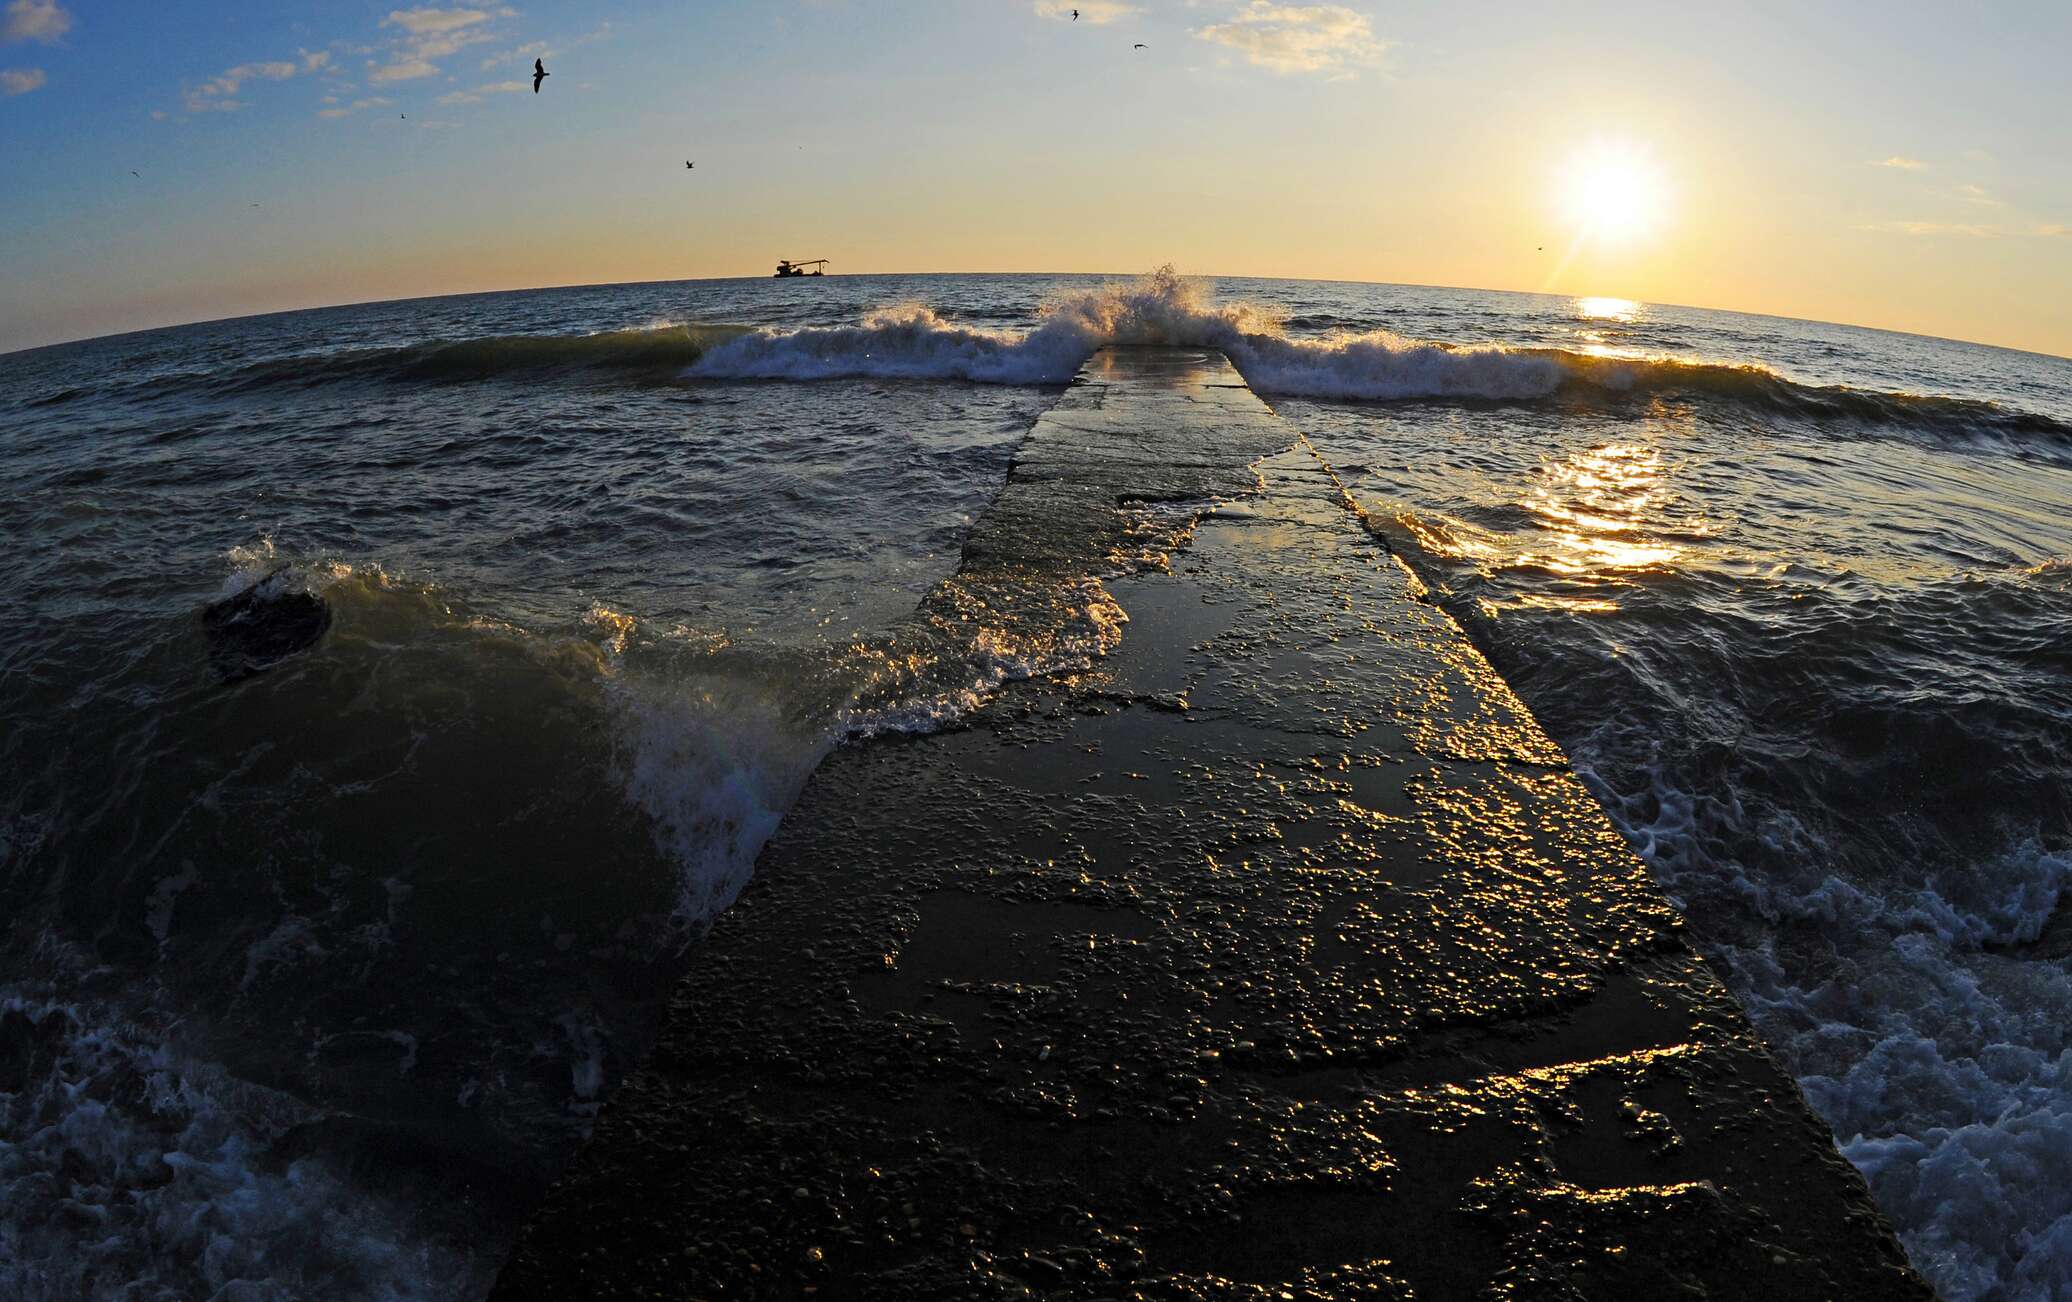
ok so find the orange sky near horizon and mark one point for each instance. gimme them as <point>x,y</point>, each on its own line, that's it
<point>1406,145</point>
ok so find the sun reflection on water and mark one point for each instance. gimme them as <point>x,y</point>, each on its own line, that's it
<point>1608,309</point>
<point>1597,508</point>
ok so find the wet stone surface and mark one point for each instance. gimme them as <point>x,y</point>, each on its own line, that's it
<point>1279,955</point>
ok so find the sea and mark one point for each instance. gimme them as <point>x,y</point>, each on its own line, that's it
<point>312,977</point>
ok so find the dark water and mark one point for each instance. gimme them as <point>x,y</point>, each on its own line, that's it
<point>312,979</point>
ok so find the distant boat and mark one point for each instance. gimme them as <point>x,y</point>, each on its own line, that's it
<point>788,268</point>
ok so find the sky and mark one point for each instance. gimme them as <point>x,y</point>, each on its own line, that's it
<point>1900,165</point>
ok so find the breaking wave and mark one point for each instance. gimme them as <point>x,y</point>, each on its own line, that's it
<point>136,1171</point>
<point>913,342</point>
<point>1326,358</point>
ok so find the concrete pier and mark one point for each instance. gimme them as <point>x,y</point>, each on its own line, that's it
<point>1277,954</point>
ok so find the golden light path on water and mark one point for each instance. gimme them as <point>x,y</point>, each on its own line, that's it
<point>1600,522</point>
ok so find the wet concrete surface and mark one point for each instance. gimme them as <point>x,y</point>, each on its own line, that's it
<point>1278,955</point>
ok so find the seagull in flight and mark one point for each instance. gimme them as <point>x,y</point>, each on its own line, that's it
<point>688,163</point>
<point>539,74</point>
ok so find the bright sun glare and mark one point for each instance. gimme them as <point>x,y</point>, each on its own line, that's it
<point>1614,194</point>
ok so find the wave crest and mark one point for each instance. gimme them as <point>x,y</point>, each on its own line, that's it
<point>911,341</point>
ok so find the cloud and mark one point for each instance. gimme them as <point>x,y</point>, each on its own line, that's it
<point>428,22</point>
<point>218,93</point>
<point>1977,194</point>
<point>403,69</point>
<point>493,88</point>
<point>1971,230</point>
<point>20,81</point>
<point>1964,229</point>
<point>1097,12</point>
<point>1901,163</point>
<point>35,20</point>
<point>527,51</point>
<point>1331,40</point>
<point>315,59</point>
<point>430,35</point>
<point>372,101</point>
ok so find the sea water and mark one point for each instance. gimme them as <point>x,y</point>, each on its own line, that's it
<point>310,981</point>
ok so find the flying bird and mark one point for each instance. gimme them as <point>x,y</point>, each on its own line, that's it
<point>539,74</point>
<point>1141,46</point>
<point>688,163</point>
<point>135,173</point>
<point>1075,15</point>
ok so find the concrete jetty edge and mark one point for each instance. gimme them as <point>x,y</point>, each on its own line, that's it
<point>1274,954</point>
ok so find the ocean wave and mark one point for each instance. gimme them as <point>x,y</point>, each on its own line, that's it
<point>1383,366</point>
<point>1859,809</point>
<point>654,354</point>
<point>1326,357</point>
<point>133,1170</point>
<point>913,342</point>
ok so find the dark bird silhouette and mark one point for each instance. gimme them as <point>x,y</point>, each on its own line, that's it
<point>688,163</point>
<point>1075,15</point>
<point>1140,46</point>
<point>135,173</point>
<point>539,74</point>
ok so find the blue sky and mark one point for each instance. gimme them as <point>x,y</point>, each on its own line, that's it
<point>1895,165</point>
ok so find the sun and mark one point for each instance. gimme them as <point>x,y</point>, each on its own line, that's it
<point>1614,193</point>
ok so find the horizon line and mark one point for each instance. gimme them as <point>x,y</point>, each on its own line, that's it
<point>860,275</point>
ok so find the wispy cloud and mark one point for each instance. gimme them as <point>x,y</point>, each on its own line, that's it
<point>219,93</point>
<point>44,21</point>
<point>1978,195</point>
<point>529,50</point>
<point>431,22</point>
<point>428,36</point>
<point>1329,40</point>
<point>493,88</point>
<point>1097,12</point>
<point>20,81</point>
<point>1901,163</point>
<point>1964,229</point>
<point>1971,230</point>
<point>347,110</point>
<point>312,60</point>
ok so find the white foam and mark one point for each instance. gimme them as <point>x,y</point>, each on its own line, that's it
<point>1379,365</point>
<point>955,676</point>
<point>912,342</point>
<point>1937,1057</point>
<point>714,761</point>
<point>167,1188</point>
